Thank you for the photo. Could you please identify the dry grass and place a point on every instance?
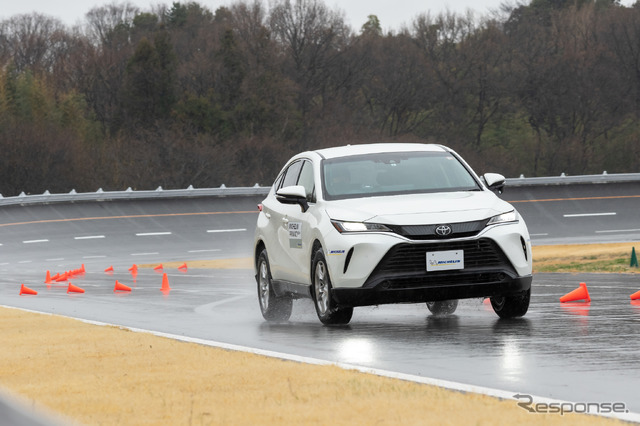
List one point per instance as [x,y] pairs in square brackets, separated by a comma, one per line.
[239,263]
[104,375]
[614,257]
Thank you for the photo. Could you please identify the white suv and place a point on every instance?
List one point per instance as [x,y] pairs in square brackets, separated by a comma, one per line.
[388,223]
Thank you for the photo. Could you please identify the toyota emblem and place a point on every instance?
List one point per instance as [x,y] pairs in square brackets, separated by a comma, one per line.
[443,230]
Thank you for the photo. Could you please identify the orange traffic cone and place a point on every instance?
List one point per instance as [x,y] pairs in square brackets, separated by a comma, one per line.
[26,290]
[109,269]
[165,283]
[134,269]
[121,287]
[158,268]
[82,269]
[74,289]
[47,280]
[183,266]
[62,277]
[635,296]
[580,293]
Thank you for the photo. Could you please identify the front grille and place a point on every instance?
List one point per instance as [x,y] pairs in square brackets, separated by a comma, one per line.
[405,265]
[428,232]
[413,257]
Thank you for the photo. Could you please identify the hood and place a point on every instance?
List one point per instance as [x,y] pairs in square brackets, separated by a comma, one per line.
[414,209]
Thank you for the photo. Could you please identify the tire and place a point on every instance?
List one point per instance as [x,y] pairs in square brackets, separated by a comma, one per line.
[326,308]
[512,306]
[443,307]
[273,308]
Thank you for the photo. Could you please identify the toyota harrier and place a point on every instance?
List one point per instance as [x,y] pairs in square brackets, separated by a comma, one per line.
[388,223]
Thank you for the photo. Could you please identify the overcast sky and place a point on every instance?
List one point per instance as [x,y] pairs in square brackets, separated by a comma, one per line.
[392,13]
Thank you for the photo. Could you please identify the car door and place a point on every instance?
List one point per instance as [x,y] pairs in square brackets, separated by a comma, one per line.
[276,236]
[297,227]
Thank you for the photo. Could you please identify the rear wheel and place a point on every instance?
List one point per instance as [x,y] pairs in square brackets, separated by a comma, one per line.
[326,308]
[511,306]
[443,307]
[273,308]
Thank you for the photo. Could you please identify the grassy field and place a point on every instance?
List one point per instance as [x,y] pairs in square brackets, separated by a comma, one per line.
[585,258]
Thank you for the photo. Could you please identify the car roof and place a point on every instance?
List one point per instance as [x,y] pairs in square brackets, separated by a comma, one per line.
[375,148]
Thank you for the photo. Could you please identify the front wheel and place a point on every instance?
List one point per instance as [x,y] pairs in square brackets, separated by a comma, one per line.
[326,308]
[443,307]
[273,308]
[512,306]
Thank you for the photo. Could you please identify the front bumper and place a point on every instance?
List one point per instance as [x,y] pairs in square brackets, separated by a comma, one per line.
[401,275]
[417,289]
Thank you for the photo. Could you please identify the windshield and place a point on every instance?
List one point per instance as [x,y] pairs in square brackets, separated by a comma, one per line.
[394,173]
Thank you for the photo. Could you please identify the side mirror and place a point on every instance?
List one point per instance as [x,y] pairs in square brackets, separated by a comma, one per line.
[293,195]
[494,181]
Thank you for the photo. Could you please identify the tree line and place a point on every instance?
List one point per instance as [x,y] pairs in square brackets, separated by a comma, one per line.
[181,95]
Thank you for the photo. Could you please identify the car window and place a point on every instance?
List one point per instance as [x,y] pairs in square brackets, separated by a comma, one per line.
[291,175]
[278,182]
[306,180]
[395,173]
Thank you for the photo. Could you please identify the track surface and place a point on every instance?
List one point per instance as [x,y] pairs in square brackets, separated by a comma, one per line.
[581,353]
[574,214]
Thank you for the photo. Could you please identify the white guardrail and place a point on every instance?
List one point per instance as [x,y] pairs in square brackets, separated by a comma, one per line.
[223,191]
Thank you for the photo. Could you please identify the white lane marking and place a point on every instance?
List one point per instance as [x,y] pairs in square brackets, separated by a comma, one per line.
[25,261]
[208,307]
[35,241]
[89,237]
[202,251]
[144,254]
[211,231]
[538,235]
[456,386]
[152,234]
[55,260]
[94,257]
[0,244]
[590,214]
[618,230]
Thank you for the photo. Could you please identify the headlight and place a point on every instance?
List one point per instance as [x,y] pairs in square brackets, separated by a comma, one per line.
[359,227]
[511,216]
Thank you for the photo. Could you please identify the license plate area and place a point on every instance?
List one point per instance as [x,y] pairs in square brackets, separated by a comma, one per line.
[445,260]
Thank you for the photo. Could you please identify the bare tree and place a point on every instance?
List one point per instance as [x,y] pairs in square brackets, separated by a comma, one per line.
[397,90]
[312,37]
[102,21]
[34,42]
[446,41]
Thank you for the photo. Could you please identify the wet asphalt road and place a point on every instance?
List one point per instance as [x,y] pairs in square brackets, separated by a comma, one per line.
[576,352]
[579,352]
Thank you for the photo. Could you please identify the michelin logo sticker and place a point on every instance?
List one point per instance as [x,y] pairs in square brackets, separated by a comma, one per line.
[445,260]
[295,235]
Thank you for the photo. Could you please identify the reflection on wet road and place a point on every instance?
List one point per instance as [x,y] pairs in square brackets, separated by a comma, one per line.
[574,351]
